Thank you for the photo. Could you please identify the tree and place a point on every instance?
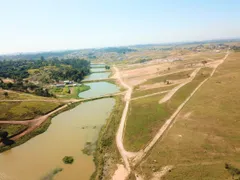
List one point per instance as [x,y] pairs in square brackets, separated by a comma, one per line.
[7,142]
[3,134]
[5,94]
[107,67]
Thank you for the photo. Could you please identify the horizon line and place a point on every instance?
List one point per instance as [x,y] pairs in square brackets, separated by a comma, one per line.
[132,45]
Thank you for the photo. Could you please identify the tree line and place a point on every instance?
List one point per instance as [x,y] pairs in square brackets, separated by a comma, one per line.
[72,69]
[25,87]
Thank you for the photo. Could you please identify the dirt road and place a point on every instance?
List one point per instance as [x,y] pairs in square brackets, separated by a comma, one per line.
[122,172]
[149,95]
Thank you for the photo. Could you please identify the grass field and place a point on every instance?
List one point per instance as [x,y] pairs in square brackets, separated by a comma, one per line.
[69,92]
[142,121]
[12,128]
[206,134]
[18,95]
[25,110]
[174,76]
[200,56]
[138,93]
[146,115]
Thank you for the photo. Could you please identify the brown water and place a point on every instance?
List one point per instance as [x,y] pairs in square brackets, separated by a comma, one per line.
[65,137]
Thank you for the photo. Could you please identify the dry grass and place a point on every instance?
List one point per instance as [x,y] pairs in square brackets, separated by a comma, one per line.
[18,95]
[138,93]
[206,133]
[174,76]
[146,115]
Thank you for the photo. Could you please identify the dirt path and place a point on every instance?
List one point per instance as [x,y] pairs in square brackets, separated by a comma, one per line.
[148,95]
[174,90]
[122,172]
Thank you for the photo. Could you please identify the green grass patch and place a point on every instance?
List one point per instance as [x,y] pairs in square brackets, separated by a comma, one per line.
[174,76]
[68,160]
[12,129]
[69,92]
[146,115]
[25,110]
[143,117]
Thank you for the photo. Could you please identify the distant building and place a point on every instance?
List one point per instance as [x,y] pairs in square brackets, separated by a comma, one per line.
[68,82]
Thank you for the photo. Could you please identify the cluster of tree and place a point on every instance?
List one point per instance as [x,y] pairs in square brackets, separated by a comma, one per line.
[75,69]
[107,67]
[26,87]
[4,138]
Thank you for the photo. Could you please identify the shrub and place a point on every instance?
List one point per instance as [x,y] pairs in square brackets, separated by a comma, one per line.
[68,159]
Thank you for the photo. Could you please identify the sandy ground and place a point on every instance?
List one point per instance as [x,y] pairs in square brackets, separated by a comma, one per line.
[160,174]
[134,77]
[121,173]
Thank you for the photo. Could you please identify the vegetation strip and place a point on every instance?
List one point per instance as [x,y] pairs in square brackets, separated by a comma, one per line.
[106,155]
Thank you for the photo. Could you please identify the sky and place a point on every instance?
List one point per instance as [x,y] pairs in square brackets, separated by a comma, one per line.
[44,25]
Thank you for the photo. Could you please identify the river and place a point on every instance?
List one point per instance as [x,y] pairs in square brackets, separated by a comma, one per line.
[66,136]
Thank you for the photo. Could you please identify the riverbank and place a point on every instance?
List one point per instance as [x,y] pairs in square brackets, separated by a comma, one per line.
[106,155]
[41,129]
[74,128]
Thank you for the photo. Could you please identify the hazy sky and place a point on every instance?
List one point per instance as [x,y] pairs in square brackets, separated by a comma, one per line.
[33,25]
